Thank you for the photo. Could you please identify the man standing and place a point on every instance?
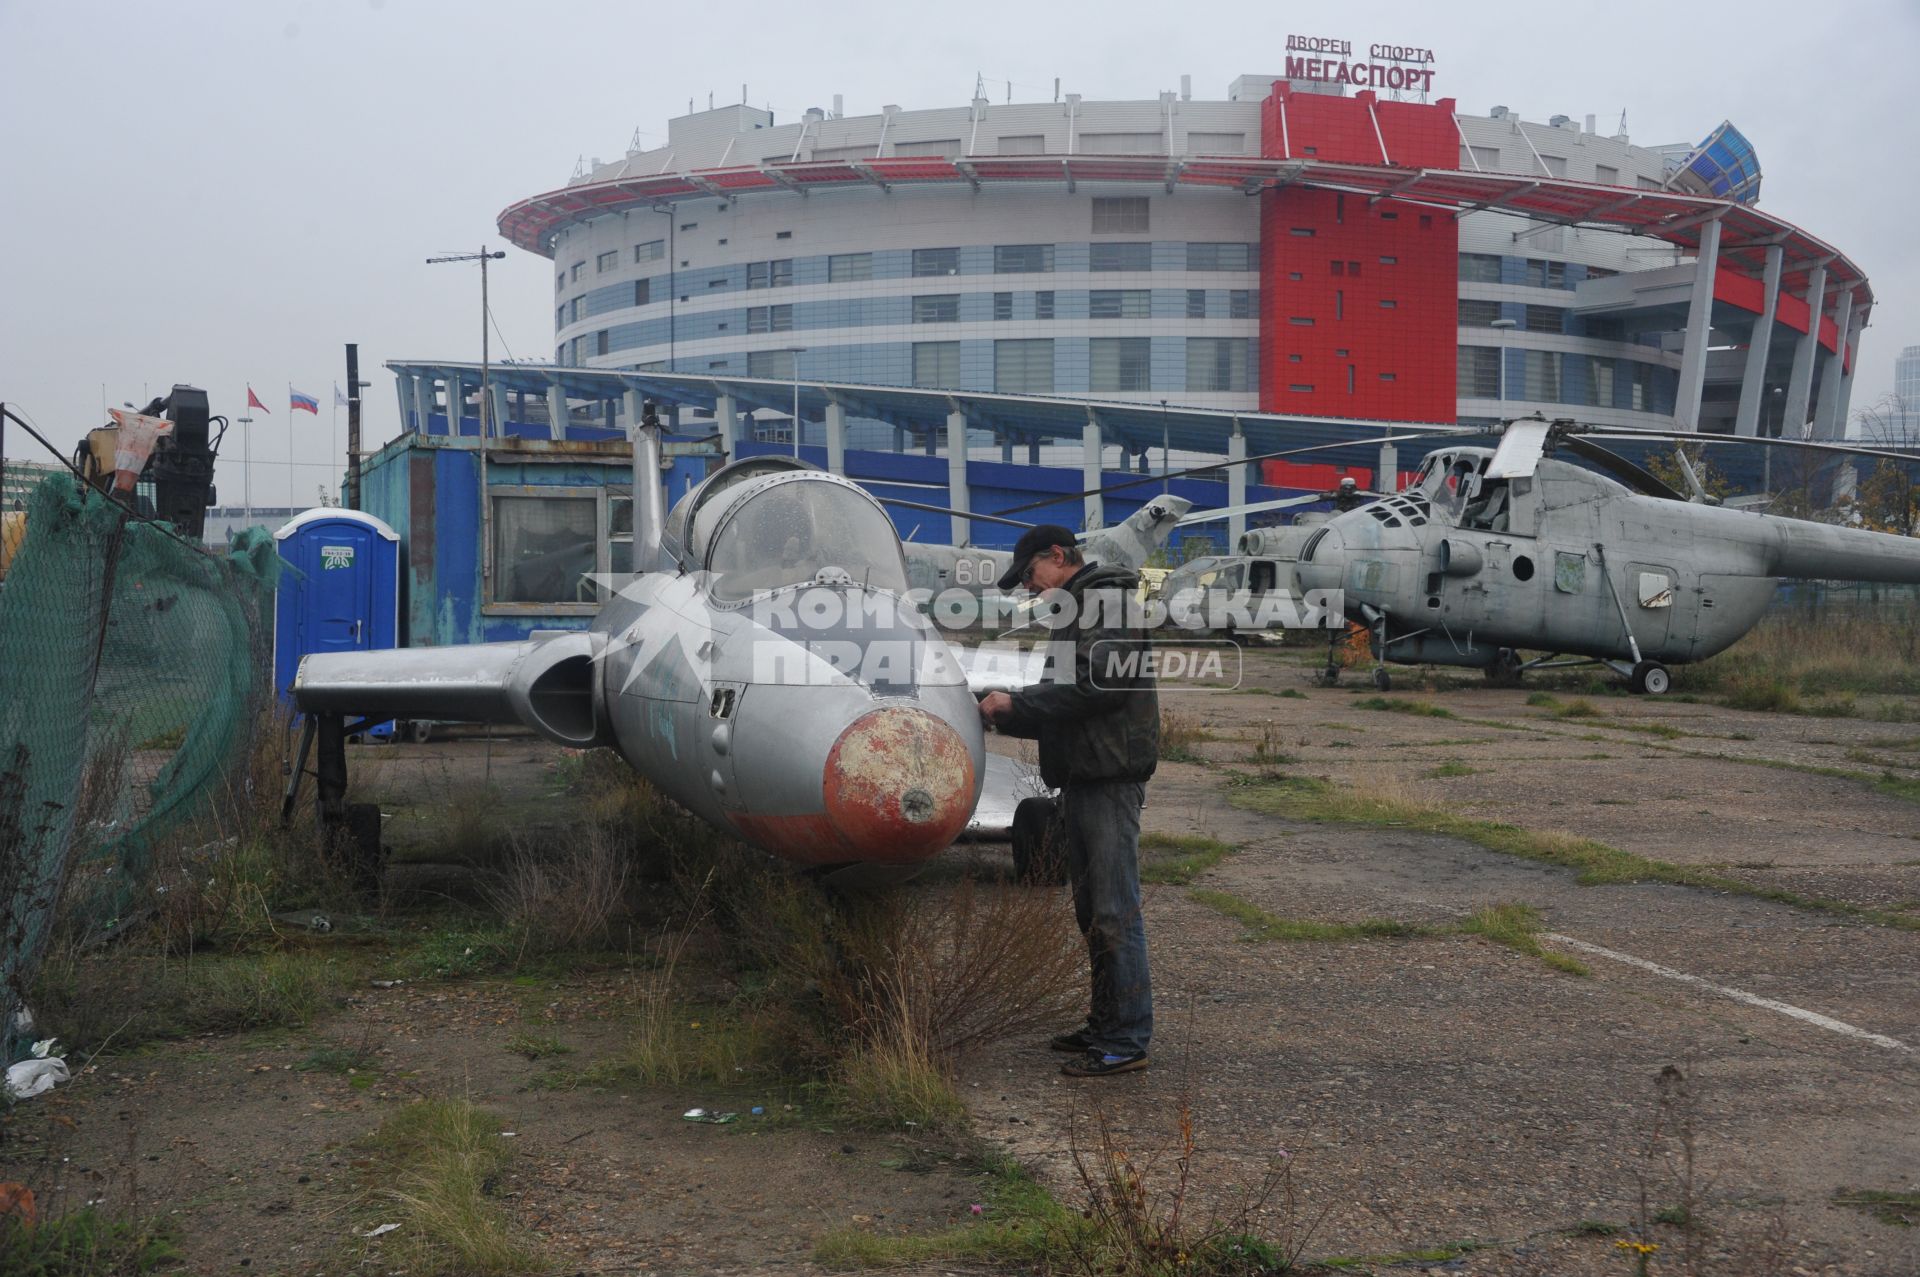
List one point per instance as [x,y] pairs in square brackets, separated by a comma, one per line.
[1098,724]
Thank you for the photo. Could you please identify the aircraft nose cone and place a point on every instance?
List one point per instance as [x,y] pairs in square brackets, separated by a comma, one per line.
[899,785]
[1327,566]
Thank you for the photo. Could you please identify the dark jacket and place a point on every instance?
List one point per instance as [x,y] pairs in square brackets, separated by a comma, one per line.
[1105,723]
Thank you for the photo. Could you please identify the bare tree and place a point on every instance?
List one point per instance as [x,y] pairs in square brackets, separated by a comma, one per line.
[1886,497]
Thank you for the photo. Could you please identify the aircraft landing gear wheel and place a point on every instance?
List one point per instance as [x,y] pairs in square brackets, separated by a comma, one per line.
[1505,670]
[1383,680]
[1328,677]
[1039,843]
[1651,678]
[419,731]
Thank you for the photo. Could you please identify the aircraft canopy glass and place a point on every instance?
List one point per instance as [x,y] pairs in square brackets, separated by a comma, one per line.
[791,532]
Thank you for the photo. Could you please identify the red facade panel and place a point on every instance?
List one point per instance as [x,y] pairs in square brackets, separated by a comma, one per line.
[1358,301]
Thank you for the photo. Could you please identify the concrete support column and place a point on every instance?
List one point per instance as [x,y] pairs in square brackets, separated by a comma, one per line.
[957,492]
[1826,424]
[726,423]
[1693,359]
[1006,447]
[500,417]
[422,401]
[1236,491]
[899,440]
[455,390]
[1800,385]
[1094,507]
[1033,450]
[1853,362]
[836,438]
[557,410]
[1388,477]
[1753,381]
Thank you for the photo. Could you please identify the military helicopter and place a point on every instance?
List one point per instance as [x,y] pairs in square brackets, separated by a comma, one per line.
[1130,543]
[765,669]
[1490,551]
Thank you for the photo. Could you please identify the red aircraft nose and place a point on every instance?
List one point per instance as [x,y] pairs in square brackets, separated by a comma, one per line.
[898,785]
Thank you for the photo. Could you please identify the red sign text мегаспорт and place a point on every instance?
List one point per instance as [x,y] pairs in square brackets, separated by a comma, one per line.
[1395,66]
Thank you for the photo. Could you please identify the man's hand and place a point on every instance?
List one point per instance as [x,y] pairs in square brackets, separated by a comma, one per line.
[994,707]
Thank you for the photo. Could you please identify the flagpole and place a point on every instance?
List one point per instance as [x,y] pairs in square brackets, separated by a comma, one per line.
[246,466]
[292,501]
[336,424]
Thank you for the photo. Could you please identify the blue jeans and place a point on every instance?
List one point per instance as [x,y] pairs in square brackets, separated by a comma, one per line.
[1103,860]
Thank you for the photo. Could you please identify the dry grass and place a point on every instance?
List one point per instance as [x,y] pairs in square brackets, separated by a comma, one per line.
[1145,1216]
[1870,653]
[566,893]
[441,1163]
[1179,733]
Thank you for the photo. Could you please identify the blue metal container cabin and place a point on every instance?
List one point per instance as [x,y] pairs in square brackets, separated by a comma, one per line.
[561,511]
[342,593]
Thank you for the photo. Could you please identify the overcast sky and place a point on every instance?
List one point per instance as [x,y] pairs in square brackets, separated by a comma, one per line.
[225,193]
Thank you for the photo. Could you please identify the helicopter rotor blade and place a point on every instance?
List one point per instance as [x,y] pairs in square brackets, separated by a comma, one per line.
[958,514]
[1404,434]
[1258,507]
[1617,434]
[1634,476]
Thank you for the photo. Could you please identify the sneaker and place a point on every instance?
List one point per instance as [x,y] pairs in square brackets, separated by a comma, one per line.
[1074,1043]
[1096,1063]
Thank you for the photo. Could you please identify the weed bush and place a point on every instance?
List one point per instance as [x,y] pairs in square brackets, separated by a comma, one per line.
[84,1244]
[564,893]
[439,1164]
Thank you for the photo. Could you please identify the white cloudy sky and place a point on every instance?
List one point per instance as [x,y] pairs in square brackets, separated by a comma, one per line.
[224,192]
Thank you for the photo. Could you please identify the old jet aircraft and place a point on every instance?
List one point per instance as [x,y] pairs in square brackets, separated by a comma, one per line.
[766,670]
[1491,551]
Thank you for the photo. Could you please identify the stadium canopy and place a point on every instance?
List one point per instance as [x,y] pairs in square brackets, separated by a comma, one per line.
[1673,216]
[1137,427]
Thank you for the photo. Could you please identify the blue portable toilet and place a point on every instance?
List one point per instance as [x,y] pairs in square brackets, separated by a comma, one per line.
[343,594]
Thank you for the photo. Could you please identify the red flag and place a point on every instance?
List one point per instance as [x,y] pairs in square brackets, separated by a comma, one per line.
[253,401]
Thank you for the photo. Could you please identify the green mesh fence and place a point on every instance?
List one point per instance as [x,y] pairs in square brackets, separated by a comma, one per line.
[133,672]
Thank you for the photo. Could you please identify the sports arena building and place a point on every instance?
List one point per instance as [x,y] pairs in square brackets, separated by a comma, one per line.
[1298,248]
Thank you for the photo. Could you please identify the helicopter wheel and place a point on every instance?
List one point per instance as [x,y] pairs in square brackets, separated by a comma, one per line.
[1506,669]
[1650,678]
[1382,680]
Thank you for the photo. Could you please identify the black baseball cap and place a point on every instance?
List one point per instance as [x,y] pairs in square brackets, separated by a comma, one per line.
[1031,542]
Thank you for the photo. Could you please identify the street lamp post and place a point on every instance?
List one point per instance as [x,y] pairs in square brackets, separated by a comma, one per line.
[1503,327]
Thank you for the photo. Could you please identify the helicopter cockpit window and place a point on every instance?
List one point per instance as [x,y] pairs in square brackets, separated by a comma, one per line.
[1488,510]
[792,532]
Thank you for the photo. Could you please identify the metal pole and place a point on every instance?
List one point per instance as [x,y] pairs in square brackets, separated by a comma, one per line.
[486,397]
[796,405]
[3,457]
[353,426]
[246,466]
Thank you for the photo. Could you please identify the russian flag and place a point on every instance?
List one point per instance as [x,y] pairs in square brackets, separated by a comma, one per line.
[303,403]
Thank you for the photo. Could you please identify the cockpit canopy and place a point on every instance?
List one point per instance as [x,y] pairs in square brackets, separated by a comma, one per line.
[769,522]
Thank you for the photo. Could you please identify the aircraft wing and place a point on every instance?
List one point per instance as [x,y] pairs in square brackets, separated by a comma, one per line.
[1008,780]
[544,682]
